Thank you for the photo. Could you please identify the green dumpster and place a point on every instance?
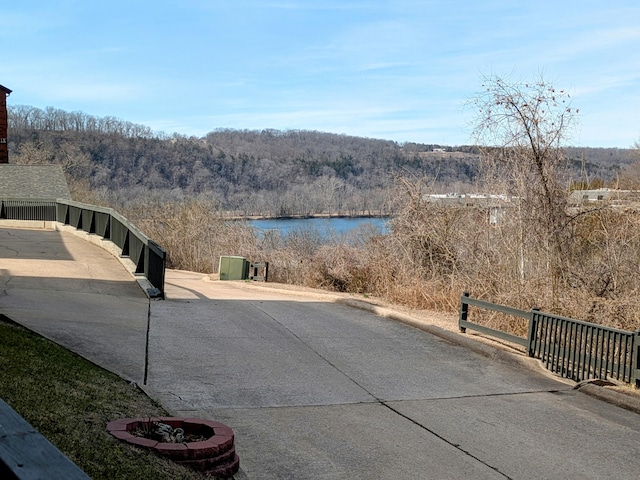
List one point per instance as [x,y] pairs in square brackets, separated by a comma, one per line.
[233,268]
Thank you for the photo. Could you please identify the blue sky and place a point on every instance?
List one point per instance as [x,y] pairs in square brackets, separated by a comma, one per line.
[399,69]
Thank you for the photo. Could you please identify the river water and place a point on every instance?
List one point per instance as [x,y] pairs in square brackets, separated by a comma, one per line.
[325,226]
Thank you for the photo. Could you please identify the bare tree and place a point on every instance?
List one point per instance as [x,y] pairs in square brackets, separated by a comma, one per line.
[630,177]
[522,127]
[33,153]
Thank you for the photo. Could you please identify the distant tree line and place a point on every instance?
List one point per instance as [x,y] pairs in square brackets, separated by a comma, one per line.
[53,119]
[253,172]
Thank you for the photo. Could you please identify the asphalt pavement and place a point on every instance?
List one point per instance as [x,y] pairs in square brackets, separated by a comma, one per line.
[313,389]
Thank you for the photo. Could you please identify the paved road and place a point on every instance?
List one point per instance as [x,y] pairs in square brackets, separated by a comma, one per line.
[318,390]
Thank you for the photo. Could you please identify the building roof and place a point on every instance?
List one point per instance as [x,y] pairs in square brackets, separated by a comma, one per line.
[468,199]
[33,181]
[5,89]
[609,195]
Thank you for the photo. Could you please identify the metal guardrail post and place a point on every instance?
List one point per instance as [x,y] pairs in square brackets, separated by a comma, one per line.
[635,360]
[533,331]
[464,312]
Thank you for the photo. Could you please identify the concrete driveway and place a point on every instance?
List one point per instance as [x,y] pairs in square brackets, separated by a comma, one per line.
[76,294]
[314,389]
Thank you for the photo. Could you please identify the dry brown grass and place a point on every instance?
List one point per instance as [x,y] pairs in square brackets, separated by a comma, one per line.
[193,232]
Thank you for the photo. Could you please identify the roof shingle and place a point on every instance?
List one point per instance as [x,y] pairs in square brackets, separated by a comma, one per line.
[33,181]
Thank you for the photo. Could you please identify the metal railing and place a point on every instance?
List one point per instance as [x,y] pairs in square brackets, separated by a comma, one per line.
[27,209]
[571,348]
[463,323]
[580,350]
[147,256]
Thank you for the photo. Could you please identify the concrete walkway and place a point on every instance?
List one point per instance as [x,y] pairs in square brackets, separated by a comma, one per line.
[314,389]
[75,294]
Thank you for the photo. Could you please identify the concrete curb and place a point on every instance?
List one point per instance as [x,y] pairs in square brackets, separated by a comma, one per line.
[621,400]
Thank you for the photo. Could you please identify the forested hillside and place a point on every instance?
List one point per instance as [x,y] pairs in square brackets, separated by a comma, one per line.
[267,172]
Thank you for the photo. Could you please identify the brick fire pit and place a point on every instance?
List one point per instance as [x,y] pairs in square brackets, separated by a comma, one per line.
[215,454]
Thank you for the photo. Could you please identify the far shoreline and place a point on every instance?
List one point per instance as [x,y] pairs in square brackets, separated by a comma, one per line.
[304,217]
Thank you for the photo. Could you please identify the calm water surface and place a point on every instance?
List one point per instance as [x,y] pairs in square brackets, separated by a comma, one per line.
[326,226]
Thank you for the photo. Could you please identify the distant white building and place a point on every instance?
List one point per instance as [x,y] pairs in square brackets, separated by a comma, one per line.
[469,198]
[609,195]
[495,204]
[578,197]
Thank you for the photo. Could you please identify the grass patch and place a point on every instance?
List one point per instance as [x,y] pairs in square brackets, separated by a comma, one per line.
[70,401]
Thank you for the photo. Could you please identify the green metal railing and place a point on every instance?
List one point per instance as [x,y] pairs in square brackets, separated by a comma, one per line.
[463,323]
[148,257]
[27,209]
[580,350]
[571,348]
